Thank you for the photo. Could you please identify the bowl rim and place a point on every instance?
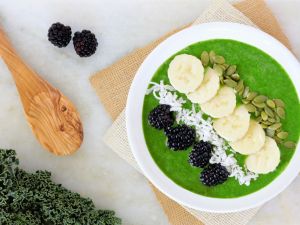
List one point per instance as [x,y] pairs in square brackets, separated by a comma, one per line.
[134,109]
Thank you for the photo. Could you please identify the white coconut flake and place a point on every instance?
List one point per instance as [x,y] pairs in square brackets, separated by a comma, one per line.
[166,94]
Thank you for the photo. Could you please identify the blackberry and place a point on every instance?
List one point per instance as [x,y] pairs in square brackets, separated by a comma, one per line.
[161,117]
[214,174]
[59,35]
[85,43]
[180,137]
[200,155]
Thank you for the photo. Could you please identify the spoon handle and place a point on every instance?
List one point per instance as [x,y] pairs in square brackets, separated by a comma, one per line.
[27,81]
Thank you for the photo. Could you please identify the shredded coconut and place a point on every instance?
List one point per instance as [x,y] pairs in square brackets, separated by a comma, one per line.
[166,94]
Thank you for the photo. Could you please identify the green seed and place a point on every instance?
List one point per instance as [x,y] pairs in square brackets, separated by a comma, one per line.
[264,125]
[266,122]
[230,83]
[225,66]
[221,79]
[271,103]
[258,119]
[277,118]
[260,99]
[279,103]
[272,120]
[231,70]
[270,132]
[269,112]
[264,116]
[218,69]
[257,113]
[259,105]
[251,95]
[283,135]
[205,58]
[219,59]
[278,140]
[289,144]
[280,112]
[212,56]
[245,101]
[246,92]
[239,86]
[275,126]
[235,77]
[250,108]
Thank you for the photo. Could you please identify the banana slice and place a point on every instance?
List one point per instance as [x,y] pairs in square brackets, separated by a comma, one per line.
[185,73]
[234,126]
[221,105]
[208,88]
[266,160]
[253,140]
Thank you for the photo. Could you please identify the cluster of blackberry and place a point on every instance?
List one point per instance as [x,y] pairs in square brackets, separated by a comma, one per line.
[181,137]
[85,42]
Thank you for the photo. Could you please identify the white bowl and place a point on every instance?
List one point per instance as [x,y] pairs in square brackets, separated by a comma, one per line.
[134,109]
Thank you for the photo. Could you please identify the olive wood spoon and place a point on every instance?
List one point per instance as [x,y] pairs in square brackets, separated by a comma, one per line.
[52,117]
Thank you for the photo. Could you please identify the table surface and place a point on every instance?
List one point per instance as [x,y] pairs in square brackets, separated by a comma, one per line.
[121,26]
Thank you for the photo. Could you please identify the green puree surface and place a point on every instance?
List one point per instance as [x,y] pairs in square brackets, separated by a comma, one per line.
[262,74]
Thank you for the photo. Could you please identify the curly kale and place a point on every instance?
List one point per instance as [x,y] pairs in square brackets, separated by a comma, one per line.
[33,199]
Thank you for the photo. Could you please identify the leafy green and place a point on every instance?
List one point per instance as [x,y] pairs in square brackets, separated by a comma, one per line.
[33,199]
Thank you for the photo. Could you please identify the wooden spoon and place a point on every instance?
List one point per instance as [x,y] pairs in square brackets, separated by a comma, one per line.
[53,118]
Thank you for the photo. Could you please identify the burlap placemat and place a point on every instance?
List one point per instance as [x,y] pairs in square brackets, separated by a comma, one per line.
[120,76]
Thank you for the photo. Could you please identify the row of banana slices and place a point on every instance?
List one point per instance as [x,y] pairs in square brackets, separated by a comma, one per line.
[233,123]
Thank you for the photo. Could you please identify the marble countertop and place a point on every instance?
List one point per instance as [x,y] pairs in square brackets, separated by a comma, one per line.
[121,26]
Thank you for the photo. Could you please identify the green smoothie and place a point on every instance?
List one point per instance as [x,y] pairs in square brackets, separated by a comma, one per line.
[262,74]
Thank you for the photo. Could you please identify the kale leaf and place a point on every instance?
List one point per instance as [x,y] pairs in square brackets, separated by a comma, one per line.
[34,199]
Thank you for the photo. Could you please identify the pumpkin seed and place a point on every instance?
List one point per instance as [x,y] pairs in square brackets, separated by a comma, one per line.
[280,112]
[259,105]
[225,66]
[283,135]
[264,115]
[272,120]
[258,119]
[218,69]
[235,77]
[275,126]
[250,108]
[241,91]
[239,86]
[260,99]
[230,83]
[212,56]
[270,132]
[231,69]
[266,122]
[245,101]
[246,91]
[277,118]
[279,103]
[219,59]
[271,103]
[204,58]
[269,112]
[221,80]
[278,140]
[289,144]
[257,113]
[251,95]
[264,125]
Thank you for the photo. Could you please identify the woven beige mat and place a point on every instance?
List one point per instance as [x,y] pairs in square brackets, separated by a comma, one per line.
[120,75]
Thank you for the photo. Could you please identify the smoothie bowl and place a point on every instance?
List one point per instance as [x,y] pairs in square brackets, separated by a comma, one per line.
[213,117]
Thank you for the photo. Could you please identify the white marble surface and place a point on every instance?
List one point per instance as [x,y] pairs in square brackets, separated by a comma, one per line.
[120,26]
